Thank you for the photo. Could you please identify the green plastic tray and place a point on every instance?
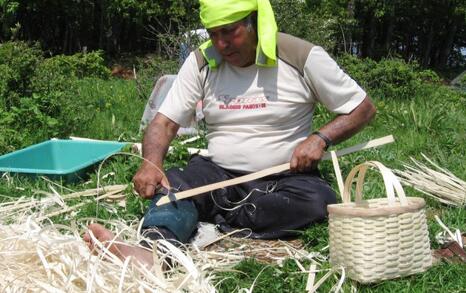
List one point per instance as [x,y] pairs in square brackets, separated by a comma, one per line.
[57,158]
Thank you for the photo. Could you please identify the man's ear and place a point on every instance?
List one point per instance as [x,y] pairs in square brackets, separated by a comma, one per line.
[249,27]
[251,22]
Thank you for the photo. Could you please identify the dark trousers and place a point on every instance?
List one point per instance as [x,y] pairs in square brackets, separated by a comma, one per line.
[276,206]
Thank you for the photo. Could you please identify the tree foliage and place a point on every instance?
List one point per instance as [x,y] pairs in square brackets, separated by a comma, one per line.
[79,25]
[429,31]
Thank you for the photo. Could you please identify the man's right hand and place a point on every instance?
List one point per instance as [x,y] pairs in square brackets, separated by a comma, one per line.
[148,179]
[157,138]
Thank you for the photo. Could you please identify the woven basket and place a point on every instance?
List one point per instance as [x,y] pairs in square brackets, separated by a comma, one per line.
[382,238]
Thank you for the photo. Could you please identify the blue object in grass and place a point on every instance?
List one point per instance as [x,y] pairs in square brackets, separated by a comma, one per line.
[58,158]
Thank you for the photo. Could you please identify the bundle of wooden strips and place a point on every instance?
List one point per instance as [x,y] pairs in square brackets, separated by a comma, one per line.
[54,258]
[438,183]
[38,255]
[53,204]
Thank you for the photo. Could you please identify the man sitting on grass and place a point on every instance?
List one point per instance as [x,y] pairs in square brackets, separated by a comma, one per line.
[259,90]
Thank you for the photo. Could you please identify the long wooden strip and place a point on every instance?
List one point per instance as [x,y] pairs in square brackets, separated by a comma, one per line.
[270,171]
[226,183]
[338,175]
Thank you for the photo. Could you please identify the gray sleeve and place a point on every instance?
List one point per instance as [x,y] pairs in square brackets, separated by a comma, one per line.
[181,100]
[334,88]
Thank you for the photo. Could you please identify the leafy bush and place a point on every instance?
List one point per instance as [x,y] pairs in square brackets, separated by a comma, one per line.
[357,68]
[389,78]
[55,95]
[17,63]
[155,66]
[38,97]
[394,78]
[5,75]
[462,82]
[305,23]
[79,65]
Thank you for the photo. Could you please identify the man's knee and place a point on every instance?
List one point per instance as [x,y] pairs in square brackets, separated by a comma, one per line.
[311,198]
[318,213]
[322,196]
[326,196]
[180,218]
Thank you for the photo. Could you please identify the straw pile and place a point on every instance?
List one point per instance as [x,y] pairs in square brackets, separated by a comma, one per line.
[438,183]
[38,255]
[53,258]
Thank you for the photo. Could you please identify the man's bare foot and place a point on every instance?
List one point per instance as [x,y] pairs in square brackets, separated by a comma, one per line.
[116,246]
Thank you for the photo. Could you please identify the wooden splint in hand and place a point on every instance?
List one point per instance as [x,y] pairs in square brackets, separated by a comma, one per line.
[269,171]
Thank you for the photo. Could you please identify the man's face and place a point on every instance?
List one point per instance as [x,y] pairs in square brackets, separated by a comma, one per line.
[236,43]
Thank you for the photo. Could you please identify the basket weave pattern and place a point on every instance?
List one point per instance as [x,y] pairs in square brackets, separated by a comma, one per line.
[382,238]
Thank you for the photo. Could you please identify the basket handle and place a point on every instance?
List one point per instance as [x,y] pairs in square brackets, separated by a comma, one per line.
[391,183]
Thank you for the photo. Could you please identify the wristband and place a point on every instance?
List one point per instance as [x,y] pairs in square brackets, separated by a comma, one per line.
[328,141]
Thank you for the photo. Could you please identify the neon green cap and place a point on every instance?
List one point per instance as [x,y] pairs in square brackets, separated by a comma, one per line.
[216,13]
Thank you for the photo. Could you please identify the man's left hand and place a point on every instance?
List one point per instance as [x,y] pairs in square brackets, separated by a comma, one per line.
[307,154]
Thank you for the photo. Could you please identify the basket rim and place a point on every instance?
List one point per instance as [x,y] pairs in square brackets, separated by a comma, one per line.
[355,209]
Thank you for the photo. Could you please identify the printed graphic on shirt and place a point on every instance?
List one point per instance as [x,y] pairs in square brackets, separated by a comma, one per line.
[228,102]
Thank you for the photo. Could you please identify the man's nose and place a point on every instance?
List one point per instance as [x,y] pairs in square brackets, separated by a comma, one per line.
[222,44]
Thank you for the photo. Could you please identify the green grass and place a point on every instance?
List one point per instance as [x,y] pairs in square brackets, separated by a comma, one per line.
[441,278]
[116,108]
[432,122]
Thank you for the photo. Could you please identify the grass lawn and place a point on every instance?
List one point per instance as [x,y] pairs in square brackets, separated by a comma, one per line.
[432,122]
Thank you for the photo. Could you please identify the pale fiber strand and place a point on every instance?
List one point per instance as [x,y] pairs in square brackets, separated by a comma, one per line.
[445,171]
[57,270]
[69,209]
[455,237]
[55,259]
[49,265]
[439,184]
[311,277]
[24,205]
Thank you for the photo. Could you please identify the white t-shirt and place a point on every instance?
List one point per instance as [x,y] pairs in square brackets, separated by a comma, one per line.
[256,116]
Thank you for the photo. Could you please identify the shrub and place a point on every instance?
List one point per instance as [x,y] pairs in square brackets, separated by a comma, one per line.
[155,66]
[5,74]
[395,78]
[390,78]
[150,70]
[357,68]
[17,63]
[79,65]
[56,97]
[52,110]
[462,82]
[38,97]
